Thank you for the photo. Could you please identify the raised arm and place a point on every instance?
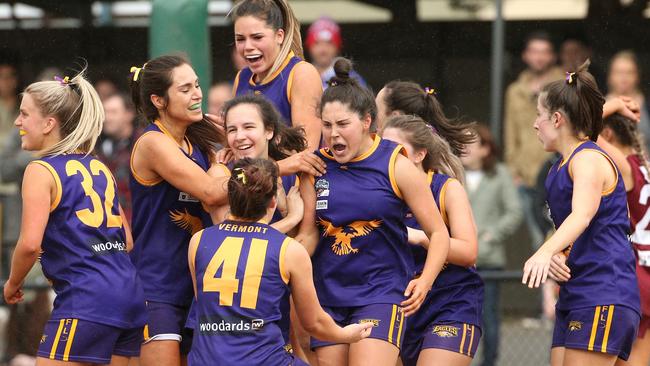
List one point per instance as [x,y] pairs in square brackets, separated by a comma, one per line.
[305,94]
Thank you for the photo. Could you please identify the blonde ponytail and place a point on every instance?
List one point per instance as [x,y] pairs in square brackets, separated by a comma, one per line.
[78,109]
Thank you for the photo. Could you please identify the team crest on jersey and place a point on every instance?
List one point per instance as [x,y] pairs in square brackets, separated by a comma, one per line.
[186,221]
[445,331]
[43,338]
[322,187]
[575,325]
[186,197]
[375,322]
[343,235]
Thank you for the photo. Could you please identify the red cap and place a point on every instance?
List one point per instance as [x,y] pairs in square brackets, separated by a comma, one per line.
[324,29]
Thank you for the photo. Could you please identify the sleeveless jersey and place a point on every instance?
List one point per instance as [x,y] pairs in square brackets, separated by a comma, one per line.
[601,259]
[362,257]
[240,283]
[464,281]
[84,248]
[277,90]
[637,201]
[164,220]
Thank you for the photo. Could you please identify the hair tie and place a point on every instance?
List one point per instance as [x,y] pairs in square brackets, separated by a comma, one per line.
[63,81]
[569,77]
[430,91]
[333,83]
[136,71]
[240,175]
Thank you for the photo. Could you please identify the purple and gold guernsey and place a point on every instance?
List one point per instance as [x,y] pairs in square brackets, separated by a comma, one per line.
[601,259]
[277,90]
[240,281]
[84,246]
[362,257]
[464,282]
[164,220]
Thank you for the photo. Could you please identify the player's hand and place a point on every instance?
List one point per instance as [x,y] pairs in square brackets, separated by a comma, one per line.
[302,162]
[216,120]
[536,268]
[416,291]
[224,156]
[356,332]
[559,271]
[630,109]
[295,205]
[13,293]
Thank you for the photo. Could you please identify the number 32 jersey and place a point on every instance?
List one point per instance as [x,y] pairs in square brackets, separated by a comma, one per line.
[84,246]
[240,281]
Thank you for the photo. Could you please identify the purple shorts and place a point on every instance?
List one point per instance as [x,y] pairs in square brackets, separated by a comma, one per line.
[462,338]
[78,340]
[607,328]
[388,319]
[167,323]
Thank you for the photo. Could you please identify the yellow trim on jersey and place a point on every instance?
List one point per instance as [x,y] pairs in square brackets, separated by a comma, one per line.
[430,174]
[145,332]
[609,190]
[198,234]
[608,326]
[55,344]
[443,208]
[370,151]
[169,134]
[391,326]
[399,330]
[275,74]
[462,341]
[283,251]
[235,84]
[391,170]
[594,329]
[57,183]
[290,81]
[571,154]
[471,341]
[68,343]
[138,178]
[225,169]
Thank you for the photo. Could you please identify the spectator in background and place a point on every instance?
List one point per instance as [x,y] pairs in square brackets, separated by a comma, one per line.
[624,79]
[219,94]
[115,144]
[8,96]
[105,87]
[497,212]
[523,155]
[324,44]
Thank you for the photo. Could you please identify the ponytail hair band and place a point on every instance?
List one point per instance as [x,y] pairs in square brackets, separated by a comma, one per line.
[570,77]
[240,175]
[136,71]
[430,91]
[65,81]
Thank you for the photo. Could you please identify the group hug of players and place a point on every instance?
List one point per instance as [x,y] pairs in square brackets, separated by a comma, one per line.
[266,253]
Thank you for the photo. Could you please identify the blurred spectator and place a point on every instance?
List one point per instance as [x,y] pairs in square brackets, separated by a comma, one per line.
[324,44]
[524,156]
[496,208]
[8,97]
[219,94]
[624,79]
[115,144]
[105,88]
[574,51]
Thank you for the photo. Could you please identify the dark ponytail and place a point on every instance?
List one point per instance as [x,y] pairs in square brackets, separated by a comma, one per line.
[286,140]
[155,77]
[346,90]
[410,98]
[627,133]
[579,99]
[252,185]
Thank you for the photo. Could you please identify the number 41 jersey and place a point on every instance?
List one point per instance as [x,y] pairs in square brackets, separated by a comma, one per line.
[84,246]
[240,282]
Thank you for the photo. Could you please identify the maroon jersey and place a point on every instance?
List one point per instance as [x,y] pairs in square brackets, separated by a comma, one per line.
[638,204]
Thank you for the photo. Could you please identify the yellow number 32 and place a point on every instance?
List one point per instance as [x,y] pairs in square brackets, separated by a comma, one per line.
[95,217]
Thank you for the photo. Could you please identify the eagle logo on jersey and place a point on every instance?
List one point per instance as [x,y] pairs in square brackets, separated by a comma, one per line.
[575,325]
[445,331]
[186,221]
[343,235]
